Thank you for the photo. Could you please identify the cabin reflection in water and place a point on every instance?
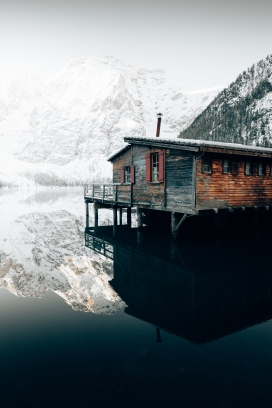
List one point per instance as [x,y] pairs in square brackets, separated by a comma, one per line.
[196,291]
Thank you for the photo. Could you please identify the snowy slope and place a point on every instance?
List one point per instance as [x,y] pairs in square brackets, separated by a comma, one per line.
[241,113]
[78,118]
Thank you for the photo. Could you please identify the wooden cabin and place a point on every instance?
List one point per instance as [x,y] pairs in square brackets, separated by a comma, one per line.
[187,177]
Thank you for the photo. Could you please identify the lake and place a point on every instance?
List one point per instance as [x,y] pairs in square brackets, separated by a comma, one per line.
[90,319]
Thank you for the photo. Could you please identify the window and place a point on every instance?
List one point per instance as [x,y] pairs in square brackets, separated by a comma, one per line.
[249,168]
[261,169]
[127,174]
[207,165]
[226,166]
[155,167]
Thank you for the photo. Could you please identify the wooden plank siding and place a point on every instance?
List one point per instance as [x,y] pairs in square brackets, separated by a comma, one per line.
[120,162]
[218,190]
[144,191]
[180,186]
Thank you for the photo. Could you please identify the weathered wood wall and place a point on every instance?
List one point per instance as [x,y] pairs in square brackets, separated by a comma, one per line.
[177,192]
[144,191]
[218,190]
[180,180]
[120,162]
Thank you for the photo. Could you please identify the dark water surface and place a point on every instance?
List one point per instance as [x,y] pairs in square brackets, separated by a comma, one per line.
[127,322]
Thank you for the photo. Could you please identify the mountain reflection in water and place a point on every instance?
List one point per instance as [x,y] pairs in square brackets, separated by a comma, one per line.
[195,290]
[127,324]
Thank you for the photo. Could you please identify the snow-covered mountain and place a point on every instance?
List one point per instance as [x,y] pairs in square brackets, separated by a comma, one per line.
[241,113]
[69,125]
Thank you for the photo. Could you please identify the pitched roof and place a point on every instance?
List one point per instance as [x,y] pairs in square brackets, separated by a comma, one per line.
[189,144]
[197,143]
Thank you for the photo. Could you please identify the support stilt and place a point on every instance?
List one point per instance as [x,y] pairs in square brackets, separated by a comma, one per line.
[139,236]
[129,217]
[87,215]
[139,218]
[114,210]
[120,216]
[95,218]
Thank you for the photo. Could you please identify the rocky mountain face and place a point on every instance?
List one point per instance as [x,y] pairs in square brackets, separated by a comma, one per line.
[69,125]
[241,113]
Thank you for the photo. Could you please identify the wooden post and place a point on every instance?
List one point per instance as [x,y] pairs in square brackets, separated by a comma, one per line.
[87,215]
[120,216]
[114,221]
[139,218]
[139,236]
[95,218]
[174,222]
[129,217]
[116,193]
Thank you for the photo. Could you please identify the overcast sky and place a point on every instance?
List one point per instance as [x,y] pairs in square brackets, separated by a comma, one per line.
[200,43]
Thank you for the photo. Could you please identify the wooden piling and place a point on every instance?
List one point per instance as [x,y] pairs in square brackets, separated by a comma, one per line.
[87,215]
[129,217]
[95,218]
[139,218]
[114,210]
[120,216]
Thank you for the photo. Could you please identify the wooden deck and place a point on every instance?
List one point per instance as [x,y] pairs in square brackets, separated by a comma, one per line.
[114,193]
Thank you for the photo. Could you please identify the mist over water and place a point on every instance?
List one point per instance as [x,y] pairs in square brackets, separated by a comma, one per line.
[88,319]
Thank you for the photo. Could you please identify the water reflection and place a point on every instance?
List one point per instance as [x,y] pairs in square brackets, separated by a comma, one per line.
[42,248]
[199,291]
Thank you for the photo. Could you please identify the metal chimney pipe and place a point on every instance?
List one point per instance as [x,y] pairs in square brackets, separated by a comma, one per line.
[159,124]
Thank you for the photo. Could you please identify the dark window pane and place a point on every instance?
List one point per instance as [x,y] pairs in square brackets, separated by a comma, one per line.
[261,169]
[226,166]
[248,167]
[127,174]
[207,165]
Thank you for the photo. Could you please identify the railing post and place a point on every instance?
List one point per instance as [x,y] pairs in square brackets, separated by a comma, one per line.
[103,193]
[93,191]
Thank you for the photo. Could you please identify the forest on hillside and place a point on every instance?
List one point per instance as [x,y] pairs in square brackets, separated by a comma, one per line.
[241,113]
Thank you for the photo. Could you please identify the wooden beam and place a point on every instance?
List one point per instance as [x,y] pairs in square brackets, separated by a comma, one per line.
[180,222]
[176,225]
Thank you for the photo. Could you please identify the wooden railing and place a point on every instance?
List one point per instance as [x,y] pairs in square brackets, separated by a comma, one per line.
[112,193]
[99,245]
